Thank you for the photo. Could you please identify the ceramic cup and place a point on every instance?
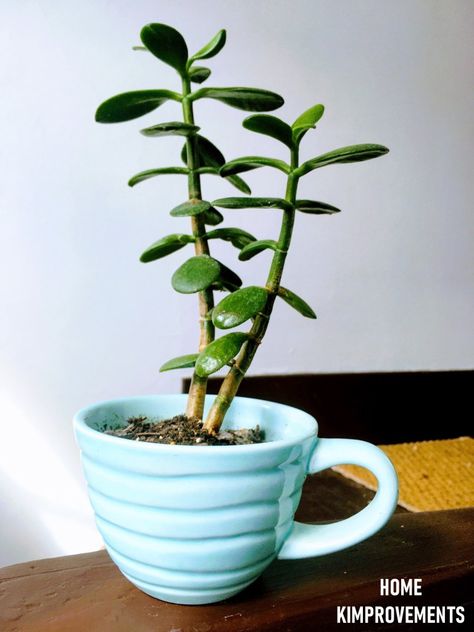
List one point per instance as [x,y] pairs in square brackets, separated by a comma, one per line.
[197,524]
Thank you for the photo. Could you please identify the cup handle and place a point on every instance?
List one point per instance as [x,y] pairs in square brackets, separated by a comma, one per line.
[307,540]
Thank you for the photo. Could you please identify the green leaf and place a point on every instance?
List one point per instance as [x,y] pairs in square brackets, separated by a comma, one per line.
[247,163]
[307,121]
[167,44]
[239,306]
[189,208]
[131,105]
[212,217]
[151,173]
[228,279]
[142,48]
[173,128]
[352,153]
[165,246]
[239,184]
[181,362]
[251,202]
[270,126]
[316,208]
[211,48]
[237,237]
[196,274]
[208,154]
[199,74]
[255,247]
[219,352]
[296,302]
[250,99]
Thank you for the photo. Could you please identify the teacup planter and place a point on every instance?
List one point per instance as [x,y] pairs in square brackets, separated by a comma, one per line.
[197,524]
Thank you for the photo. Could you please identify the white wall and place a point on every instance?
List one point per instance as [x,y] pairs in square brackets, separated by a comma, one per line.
[82,320]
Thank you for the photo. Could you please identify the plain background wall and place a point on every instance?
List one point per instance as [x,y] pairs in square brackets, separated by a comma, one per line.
[83,320]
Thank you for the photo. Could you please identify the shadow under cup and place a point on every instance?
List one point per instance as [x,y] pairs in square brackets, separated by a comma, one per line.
[194,524]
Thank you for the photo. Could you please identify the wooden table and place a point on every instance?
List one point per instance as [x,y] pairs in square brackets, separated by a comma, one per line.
[86,593]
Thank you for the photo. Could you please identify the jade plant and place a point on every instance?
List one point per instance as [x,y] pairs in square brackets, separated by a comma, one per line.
[202,274]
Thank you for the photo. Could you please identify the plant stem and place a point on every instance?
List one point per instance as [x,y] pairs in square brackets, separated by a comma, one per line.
[197,391]
[236,374]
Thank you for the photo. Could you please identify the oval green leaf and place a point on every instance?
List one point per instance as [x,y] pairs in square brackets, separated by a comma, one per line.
[270,126]
[296,302]
[211,48]
[190,208]
[181,362]
[247,163]
[218,353]
[255,247]
[151,173]
[167,44]
[228,279]
[239,184]
[250,99]
[316,208]
[131,105]
[252,202]
[307,121]
[173,128]
[237,237]
[212,217]
[199,74]
[352,153]
[208,154]
[239,306]
[165,246]
[196,274]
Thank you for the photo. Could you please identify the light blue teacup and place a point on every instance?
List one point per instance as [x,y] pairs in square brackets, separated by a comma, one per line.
[197,524]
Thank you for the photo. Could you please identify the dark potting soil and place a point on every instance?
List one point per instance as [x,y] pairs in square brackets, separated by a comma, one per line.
[181,430]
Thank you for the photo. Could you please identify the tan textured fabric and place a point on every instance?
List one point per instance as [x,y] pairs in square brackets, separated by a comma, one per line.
[433,474]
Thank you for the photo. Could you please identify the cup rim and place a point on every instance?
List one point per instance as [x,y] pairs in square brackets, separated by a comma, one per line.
[81,426]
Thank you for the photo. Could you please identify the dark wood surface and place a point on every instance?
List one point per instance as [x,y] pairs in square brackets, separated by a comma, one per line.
[86,593]
[414,406]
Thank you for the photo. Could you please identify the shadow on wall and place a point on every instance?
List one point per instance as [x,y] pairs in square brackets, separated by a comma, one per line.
[44,510]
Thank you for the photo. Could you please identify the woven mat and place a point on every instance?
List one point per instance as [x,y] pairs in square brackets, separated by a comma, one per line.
[432,474]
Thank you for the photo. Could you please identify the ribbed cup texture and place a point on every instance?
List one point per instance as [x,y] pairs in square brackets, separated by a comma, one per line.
[194,524]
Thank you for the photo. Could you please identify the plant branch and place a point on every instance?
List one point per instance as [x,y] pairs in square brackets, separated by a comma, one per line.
[238,370]
[198,386]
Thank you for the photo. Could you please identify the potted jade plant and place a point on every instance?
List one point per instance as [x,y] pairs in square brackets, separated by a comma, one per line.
[194,495]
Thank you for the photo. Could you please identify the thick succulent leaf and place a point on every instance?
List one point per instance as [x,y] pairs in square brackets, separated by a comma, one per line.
[212,217]
[352,153]
[296,302]
[167,44]
[196,274]
[228,279]
[247,163]
[209,154]
[165,246]
[239,184]
[239,306]
[211,48]
[254,247]
[131,105]
[181,362]
[252,202]
[190,207]
[173,128]
[316,208]
[250,99]
[237,237]
[141,48]
[219,352]
[199,74]
[307,121]
[151,173]
[270,126]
